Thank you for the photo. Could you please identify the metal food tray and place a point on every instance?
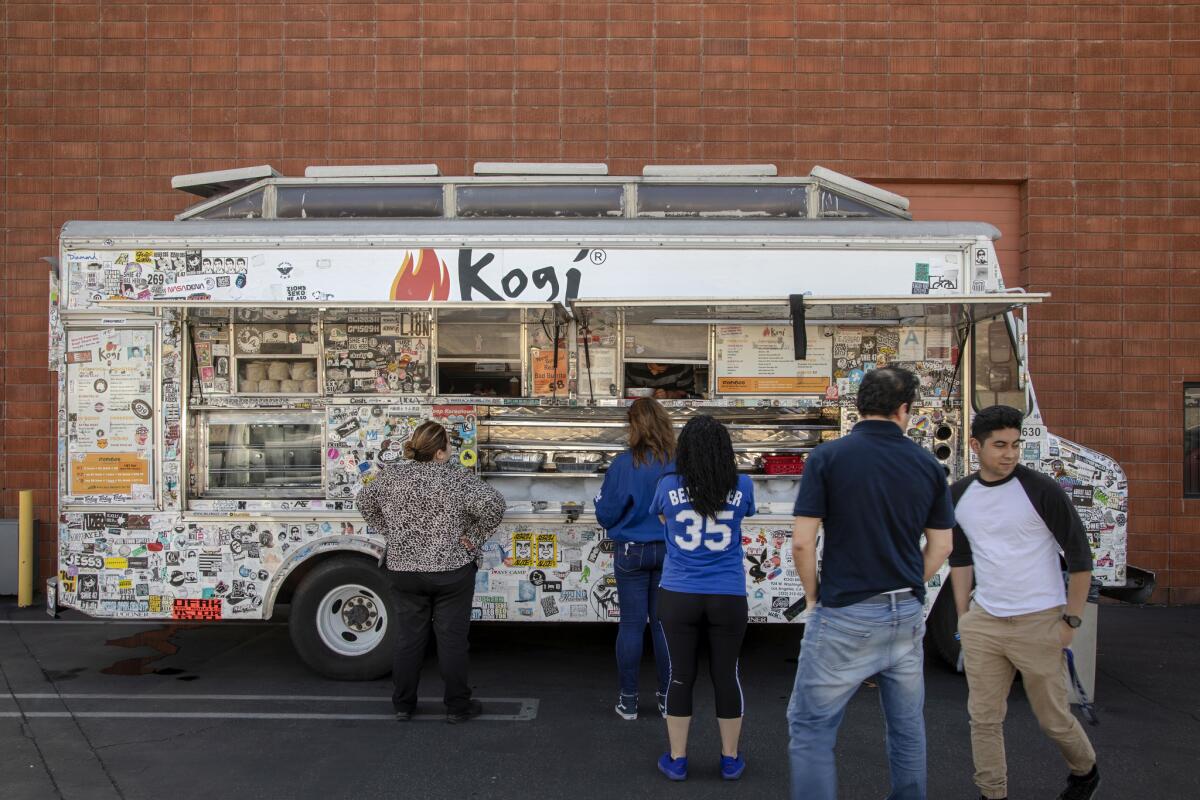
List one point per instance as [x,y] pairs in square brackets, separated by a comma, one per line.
[579,466]
[519,462]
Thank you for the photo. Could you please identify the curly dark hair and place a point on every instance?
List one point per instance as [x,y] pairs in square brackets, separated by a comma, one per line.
[884,390]
[704,460]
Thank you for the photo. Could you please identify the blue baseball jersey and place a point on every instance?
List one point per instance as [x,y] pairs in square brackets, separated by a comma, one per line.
[704,556]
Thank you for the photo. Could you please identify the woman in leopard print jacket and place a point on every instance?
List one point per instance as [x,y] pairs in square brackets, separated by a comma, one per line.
[436,517]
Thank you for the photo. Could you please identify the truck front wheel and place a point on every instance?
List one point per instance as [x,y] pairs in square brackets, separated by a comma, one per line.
[343,619]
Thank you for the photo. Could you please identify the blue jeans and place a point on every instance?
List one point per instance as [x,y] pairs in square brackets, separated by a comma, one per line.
[842,647]
[638,566]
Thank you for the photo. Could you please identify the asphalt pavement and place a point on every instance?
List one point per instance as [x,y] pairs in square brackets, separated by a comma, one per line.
[92,709]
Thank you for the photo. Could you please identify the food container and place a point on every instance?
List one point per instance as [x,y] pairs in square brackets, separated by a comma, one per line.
[579,462]
[634,393]
[519,462]
[783,465]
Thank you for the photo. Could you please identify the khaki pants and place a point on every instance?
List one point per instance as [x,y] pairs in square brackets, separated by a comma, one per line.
[994,648]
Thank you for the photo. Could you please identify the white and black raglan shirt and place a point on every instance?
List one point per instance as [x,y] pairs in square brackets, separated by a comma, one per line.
[1014,532]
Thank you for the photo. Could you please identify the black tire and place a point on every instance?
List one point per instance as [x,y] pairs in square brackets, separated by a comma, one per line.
[942,624]
[343,571]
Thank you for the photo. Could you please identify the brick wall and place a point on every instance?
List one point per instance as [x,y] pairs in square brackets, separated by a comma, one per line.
[1092,110]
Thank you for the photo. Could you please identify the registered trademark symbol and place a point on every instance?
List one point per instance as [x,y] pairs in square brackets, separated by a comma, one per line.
[598,256]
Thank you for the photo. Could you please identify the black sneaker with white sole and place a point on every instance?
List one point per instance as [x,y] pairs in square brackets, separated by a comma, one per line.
[1082,787]
[627,706]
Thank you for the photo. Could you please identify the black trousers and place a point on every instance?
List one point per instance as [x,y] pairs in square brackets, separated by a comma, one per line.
[719,618]
[441,600]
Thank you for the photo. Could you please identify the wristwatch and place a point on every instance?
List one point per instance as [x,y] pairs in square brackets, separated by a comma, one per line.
[1073,621]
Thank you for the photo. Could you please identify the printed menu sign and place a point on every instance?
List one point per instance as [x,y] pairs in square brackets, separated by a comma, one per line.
[549,373]
[760,359]
[110,425]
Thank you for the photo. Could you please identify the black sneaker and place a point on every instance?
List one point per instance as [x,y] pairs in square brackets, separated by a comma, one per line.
[1082,787]
[473,710]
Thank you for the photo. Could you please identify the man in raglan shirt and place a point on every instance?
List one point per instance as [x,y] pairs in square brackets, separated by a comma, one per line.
[1012,525]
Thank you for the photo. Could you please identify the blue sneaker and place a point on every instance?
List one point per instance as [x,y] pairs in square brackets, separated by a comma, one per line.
[673,768]
[626,707]
[732,767]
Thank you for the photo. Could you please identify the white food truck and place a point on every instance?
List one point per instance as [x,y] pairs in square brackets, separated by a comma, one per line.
[230,380]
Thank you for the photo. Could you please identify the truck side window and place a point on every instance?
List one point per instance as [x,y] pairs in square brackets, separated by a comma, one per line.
[997,367]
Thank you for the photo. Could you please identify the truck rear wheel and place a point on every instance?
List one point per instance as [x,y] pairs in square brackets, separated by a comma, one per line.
[343,620]
[942,624]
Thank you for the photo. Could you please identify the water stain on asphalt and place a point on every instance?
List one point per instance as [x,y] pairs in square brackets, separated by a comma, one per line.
[158,640]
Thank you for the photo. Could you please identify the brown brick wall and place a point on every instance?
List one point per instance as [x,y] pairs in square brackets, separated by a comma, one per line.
[1091,109]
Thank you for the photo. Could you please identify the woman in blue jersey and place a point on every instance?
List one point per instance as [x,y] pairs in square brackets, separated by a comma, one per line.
[703,590]
[622,508]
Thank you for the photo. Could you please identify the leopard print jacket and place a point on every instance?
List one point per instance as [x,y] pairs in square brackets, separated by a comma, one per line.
[425,509]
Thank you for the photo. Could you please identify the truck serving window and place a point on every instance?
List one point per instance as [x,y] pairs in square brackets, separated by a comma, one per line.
[666,361]
[1191,440]
[247,454]
[479,352]
[997,368]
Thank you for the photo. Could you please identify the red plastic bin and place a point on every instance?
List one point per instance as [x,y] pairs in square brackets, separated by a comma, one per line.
[783,465]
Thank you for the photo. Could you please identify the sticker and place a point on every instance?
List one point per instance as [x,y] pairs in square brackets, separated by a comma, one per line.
[547,550]
[522,550]
[196,609]
[141,409]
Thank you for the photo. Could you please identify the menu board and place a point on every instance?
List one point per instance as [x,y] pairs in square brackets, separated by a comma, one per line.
[378,353]
[110,410]
[760,359]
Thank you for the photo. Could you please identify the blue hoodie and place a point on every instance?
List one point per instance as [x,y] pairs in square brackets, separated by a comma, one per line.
[623,505]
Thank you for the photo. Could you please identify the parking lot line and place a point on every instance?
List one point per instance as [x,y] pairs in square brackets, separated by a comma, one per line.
[526,707]
[522,716]
[316,698]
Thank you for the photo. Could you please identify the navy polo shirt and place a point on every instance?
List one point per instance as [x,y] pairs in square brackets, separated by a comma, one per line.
[876,491]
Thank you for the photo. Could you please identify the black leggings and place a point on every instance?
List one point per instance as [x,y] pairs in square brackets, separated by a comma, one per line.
[684,618]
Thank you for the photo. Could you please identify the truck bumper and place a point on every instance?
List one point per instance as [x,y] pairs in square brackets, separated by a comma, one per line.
[1139,585]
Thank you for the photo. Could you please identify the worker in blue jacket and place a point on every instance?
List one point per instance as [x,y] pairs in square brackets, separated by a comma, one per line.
[623,509]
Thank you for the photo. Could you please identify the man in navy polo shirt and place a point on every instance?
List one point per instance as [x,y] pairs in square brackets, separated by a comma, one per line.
[876,492]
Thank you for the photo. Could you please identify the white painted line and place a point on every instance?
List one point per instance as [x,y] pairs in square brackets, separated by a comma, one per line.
[318,698]
[219,715]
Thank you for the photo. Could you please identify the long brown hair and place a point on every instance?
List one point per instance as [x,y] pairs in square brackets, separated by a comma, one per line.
[427,439]
[651,437]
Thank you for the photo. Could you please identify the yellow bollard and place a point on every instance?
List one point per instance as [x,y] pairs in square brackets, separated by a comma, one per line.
[25,551]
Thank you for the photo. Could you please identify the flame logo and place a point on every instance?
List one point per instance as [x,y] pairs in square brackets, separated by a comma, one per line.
[426,280]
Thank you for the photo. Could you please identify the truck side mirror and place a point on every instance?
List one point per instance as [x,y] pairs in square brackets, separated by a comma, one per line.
[1000,349]
[1000,378]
